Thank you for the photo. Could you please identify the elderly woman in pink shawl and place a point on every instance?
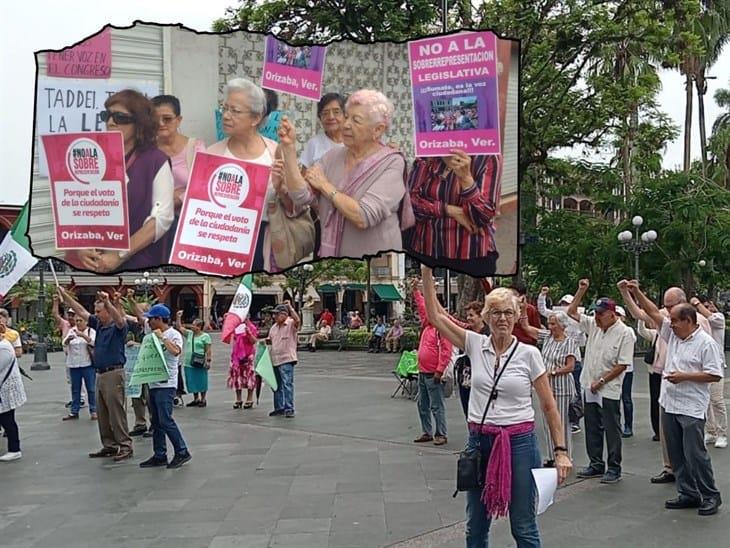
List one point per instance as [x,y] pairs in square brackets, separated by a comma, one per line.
[359,190]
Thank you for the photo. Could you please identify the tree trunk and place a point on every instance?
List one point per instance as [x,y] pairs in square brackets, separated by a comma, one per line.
[687,121]
[470,289]
[701,85]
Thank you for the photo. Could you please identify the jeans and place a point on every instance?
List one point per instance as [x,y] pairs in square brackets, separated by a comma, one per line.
[7,421]
[690,459]
[284,395]
[88,375]
[576,378]
[161,400]
[628,405]
[600,421]
[431,400]
[522,508]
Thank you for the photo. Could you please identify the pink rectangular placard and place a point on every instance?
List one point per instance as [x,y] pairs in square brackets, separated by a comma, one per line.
[90,59]
[298,70]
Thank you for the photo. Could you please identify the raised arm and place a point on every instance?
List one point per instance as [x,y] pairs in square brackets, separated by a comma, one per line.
[645,303]
[68,299]
[293,314]
[582,290]
[542,301]
[438,318]
[179,325]
[631,305]
[113,309]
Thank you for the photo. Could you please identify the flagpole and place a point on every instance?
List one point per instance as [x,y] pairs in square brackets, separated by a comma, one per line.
[40,350]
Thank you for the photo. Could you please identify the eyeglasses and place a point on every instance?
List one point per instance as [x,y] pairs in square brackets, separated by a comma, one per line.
[233,111]
[165,120]
[334,112]
[506,313]
[120,118]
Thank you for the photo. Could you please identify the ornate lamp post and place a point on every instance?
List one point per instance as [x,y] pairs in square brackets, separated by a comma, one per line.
[40,350]
[633,243]
[146,284]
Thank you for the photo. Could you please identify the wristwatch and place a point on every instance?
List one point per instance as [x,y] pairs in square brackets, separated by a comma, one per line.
[332,195]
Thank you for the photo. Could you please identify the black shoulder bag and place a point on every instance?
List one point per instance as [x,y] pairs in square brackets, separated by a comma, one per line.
[470,467]
[197,359]
[650,354]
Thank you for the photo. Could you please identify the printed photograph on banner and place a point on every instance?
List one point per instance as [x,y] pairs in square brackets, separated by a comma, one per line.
[297,70]
[88,191]
[221,216]
[317,205]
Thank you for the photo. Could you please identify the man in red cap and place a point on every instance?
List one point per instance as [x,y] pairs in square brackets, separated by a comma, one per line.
[609,351]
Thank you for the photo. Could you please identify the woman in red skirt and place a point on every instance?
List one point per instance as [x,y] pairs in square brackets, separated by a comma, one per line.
[241,374]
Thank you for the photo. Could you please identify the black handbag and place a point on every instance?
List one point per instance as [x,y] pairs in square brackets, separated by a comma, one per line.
[650,355]
[197,360]
[470,467]
[575,409]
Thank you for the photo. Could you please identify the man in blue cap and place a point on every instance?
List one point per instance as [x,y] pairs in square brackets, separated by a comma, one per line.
[162,394]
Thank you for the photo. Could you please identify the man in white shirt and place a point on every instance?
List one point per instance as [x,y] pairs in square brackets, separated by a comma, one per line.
[694,360]
[162,394]
[716,425]
[609,351]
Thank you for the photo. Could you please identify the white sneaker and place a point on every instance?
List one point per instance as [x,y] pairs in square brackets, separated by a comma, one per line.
[709,438]
[721,442]
[7,457]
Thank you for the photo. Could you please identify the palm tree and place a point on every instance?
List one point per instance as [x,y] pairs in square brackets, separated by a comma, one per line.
[714,29]
[722,126]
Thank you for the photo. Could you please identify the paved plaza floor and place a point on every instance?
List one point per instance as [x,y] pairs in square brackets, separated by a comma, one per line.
[343,473]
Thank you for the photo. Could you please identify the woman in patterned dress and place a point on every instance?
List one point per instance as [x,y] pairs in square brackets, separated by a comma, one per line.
[241,373]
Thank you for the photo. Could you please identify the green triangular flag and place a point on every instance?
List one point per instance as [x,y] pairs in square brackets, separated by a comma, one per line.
[151,365]
[265,369]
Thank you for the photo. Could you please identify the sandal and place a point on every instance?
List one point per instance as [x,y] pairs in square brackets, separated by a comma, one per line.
[237,405]
[248,405]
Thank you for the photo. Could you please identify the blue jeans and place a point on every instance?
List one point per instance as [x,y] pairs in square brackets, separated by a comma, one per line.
[284,395]
[88,375]
[160,403]
[522,508]
[431,400]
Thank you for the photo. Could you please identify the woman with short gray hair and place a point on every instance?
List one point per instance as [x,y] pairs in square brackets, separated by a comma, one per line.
[359,190]
[244,110]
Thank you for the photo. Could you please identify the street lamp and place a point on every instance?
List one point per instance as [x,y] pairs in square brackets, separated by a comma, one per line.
[145,283]
[303,277]
[40,350]
[633,243]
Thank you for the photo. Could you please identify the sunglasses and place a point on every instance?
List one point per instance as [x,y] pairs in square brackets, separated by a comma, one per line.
[120,118]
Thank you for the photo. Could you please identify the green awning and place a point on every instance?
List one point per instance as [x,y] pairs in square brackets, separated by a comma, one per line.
[327,288]
[356,287]
[387,292]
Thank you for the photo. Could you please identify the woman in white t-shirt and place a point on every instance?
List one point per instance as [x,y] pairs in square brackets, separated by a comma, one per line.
[331,114]
[79,346]
[505,434]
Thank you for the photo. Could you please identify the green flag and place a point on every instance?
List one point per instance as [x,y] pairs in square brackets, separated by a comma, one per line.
[151,365]
[265,369]
[15,257]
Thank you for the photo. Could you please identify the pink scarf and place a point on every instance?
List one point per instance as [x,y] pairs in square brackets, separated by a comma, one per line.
[497,493]
[355,186]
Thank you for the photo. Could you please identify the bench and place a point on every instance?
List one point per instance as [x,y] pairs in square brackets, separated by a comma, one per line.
[337,341]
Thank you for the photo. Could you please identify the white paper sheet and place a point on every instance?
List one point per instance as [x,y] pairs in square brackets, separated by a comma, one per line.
[546,480]
[590,397]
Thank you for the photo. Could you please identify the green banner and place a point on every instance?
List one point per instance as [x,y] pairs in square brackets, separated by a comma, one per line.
[265,369]
[131,353]
[151,365]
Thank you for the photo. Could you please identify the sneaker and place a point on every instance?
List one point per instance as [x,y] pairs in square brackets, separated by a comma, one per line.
[178,402]
[575,429]
[70,417]
[589,472]
[289,414]
[627,433]
[611,477]
[68,405]
[721,442]
[138,431]
[94,416]
[709,438]
[153,462]
[178,460]
[276,413]
[83,403]
[148,434]
[7,457]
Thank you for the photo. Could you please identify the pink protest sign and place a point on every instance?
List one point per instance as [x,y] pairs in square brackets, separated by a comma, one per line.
[455,94]
[221,215]
[88,192]
[295,70]
[90,59]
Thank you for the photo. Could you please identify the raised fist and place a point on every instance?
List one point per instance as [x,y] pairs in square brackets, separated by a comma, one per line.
[623,285]
[584,283]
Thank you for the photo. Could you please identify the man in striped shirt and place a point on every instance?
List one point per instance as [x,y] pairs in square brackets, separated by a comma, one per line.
[454,201]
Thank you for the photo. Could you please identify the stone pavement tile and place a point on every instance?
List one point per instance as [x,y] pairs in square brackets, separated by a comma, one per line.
[31,528]
[356,538]
[314,485]
[268,485]
[241,541]
[300,540]
[362,486]
[318,468]
[409,494]
[308,506]
[179,516]
[220,504]
[159,505]
[179,542]
[303,526]
[407,519]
